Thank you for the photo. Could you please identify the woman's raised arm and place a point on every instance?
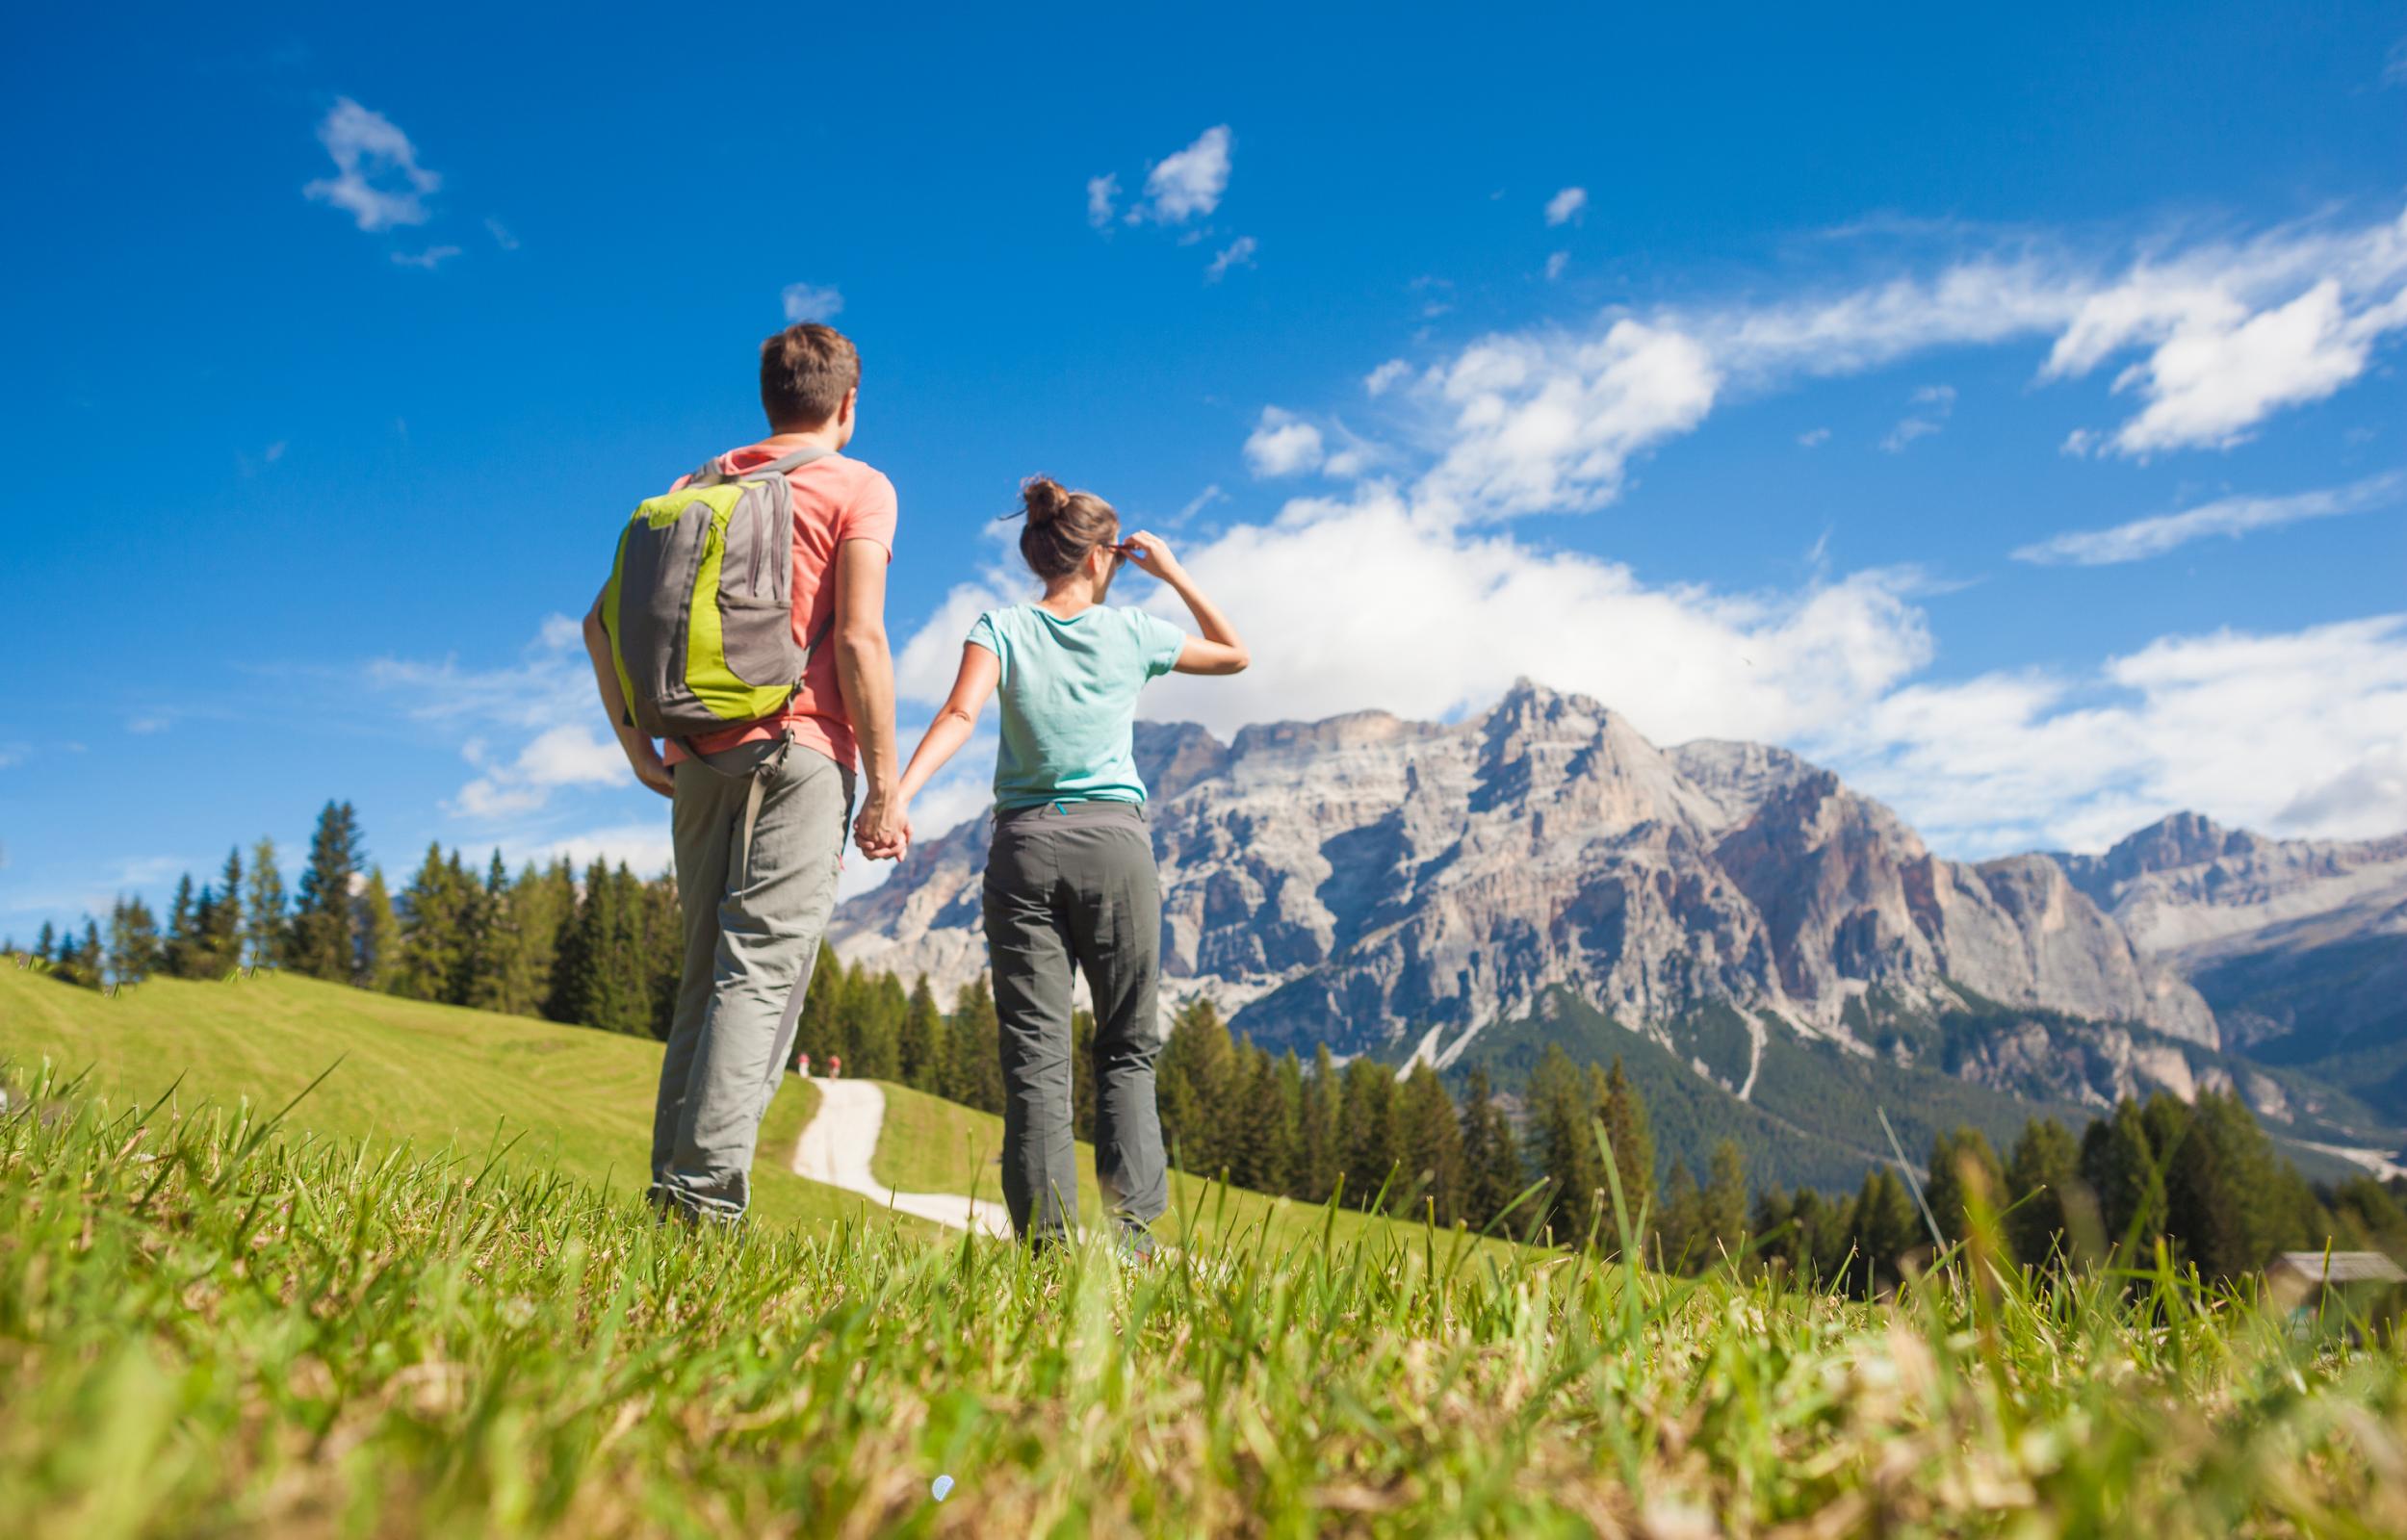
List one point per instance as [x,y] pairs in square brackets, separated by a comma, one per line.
[1220,650]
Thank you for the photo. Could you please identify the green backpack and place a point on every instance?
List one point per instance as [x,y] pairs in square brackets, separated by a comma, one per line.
[700,607]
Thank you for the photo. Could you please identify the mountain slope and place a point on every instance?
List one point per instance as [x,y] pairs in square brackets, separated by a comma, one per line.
[1369,883]
[2299,946]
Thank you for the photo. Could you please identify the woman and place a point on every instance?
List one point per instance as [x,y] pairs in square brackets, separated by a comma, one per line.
[1070,878]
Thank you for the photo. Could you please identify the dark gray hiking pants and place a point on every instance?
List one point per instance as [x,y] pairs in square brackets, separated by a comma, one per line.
[754,913]
[1073,884]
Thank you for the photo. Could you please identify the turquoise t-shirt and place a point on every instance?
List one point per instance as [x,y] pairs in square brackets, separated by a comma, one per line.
[1070,693]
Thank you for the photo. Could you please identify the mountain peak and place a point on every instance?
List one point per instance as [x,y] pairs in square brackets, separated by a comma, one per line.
[2176,839]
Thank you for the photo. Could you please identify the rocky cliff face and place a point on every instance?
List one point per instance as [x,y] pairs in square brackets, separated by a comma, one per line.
[1388,887]
[2289,938]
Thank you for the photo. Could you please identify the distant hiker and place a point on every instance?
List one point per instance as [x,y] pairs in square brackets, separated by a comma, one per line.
[1070,880]
[835,1067]
[802,1066]
[744,623]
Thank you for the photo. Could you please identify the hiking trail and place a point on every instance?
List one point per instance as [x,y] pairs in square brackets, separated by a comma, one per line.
[843,1134]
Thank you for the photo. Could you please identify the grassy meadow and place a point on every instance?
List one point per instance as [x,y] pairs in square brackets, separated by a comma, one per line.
[351,1323]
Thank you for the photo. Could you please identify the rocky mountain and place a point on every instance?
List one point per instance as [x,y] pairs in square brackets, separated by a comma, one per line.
[1392,887]
[1757,936]
[2299,946]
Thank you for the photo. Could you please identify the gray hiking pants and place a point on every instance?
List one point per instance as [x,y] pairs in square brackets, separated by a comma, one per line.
[1073,884]
[754,911]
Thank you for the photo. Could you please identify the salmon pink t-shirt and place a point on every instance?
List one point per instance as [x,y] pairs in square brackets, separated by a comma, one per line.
[836,499]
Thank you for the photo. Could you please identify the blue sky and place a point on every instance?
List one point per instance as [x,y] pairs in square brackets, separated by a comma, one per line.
[2003,410]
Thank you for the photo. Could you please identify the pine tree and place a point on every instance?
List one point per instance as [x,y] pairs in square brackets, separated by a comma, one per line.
[1623,1112]
[577,964]
[133,942]
[819,1030]
[1431,1136]
[922,1049]
[1961,1162]
[1774,1228]
[546,902]
[428,963]
[1722,1208]
[2119,1165]
[45,944]
[1885,1229]
[973,1058]
[2039,1181]
[1261,1153]
[664,950]
[180,954]
[1680,1242]
[221,933]
[88,960]
[2225,1191]
[380,933]
[1491,1164]
[1318,1158]
[1196,1088]
[263,915]
[1561,1114]
[322,942]
[1368,1138]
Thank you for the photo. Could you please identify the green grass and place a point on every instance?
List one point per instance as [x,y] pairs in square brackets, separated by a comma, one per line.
[208,1326]
[929,1145]
[577,1101]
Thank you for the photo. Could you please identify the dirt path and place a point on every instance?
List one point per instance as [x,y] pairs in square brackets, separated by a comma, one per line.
[835,1150]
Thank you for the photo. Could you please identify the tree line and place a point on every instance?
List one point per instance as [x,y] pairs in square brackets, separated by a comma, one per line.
[1570,1161]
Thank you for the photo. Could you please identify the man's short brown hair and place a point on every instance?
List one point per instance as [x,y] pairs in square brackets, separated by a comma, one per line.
[805,372]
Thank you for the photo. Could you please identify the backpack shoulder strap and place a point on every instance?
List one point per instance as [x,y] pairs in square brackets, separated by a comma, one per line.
[710,474]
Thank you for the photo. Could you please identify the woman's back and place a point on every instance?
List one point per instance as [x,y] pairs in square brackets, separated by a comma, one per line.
[1068,690]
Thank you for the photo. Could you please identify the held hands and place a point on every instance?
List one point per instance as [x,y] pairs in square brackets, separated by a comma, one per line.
[883,831]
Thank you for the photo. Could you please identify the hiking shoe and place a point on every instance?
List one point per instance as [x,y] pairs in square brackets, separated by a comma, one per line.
[1132,1244]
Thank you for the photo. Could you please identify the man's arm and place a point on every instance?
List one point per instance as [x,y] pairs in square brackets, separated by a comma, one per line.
[865,673]
[642,755]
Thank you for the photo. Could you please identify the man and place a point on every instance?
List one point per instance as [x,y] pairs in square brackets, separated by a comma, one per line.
[757,885]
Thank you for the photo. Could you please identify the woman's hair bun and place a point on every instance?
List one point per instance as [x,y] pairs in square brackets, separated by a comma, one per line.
[1042,497]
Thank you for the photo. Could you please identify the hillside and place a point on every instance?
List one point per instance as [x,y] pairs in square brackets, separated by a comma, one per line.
[410,1073]
[577,1100]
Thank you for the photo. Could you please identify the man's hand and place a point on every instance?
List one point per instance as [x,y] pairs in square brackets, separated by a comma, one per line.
[883,831]
[654,774]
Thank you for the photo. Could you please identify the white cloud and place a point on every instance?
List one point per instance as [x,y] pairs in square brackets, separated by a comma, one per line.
[1239,253]
[274,453]
[1391,373]
[1565,206]
[1102,191]
[563,756]
[644,849]
[378,179]
[1283,444]
[811,301]
[1556,263]
[2302,732]
[1197,503]
[2232,517]
[1814,438]
[501,233]
[1357,604]
[430,258]
[1186,184]
[1550,422]
[545,700]
[1933,405]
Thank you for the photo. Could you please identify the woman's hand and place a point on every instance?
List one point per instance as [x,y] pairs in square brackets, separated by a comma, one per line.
[1152,553]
